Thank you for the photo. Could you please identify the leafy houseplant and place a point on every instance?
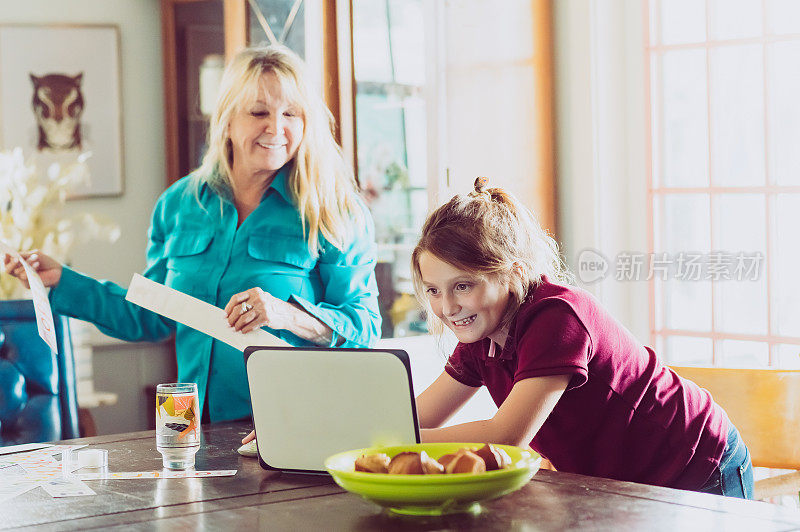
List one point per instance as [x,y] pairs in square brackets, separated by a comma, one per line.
[31,217]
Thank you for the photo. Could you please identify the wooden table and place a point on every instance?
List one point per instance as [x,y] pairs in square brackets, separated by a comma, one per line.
[258,499]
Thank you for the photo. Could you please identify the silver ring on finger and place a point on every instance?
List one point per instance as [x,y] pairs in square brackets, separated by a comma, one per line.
[246,307]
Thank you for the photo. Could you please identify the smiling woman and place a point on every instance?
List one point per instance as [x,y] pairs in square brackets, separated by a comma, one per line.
[270,227]
[264,135]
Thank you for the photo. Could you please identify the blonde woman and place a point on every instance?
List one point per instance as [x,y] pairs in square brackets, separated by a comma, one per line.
[270,226]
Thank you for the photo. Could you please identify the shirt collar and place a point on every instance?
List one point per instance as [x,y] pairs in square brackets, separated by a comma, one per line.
[280,183]
[509,351]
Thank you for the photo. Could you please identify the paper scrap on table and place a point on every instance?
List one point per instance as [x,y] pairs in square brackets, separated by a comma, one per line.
[24,471]
[10,449]
[66,487]
[127,475]
[41,305]
[194,313]
[11,470]
[12,487]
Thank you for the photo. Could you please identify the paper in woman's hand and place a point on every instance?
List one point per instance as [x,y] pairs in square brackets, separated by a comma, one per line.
[194,313]
[41,305]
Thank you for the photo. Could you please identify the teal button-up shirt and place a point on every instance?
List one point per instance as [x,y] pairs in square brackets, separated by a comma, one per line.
[195,247]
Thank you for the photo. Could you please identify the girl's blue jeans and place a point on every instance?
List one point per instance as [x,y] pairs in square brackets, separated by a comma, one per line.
[734,476]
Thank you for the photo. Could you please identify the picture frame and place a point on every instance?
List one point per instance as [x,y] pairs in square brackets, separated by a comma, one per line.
[60,96]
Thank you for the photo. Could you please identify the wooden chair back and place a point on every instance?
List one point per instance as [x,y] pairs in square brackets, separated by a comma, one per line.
[764,404]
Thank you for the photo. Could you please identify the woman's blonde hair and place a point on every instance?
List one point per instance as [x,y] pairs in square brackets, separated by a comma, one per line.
[320,183]
[489,232]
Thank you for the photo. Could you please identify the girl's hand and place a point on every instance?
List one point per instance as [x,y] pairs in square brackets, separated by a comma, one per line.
[254,308]
[250,437]
[47,267]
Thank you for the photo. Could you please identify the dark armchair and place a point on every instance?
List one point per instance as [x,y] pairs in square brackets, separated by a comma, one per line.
[38,399]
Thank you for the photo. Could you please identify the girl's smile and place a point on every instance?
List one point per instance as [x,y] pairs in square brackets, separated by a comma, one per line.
[471,305]
[465,322]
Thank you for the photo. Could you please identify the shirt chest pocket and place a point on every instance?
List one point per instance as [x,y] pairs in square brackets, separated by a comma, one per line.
[186,258]
[285,254]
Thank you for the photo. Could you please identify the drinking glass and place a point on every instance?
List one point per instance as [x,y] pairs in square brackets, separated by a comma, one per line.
[177,424]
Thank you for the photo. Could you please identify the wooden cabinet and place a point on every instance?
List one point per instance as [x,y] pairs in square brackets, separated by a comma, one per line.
[191,31]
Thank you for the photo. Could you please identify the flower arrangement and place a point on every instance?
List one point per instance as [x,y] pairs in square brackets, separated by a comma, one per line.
[31,214]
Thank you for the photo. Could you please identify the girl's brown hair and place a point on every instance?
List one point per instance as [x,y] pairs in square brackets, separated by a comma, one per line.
[489,232]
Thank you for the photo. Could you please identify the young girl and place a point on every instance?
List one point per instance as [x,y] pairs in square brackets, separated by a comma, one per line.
[568,379]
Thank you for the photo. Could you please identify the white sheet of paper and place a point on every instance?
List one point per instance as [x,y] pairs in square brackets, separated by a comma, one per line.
[66,487]
[9,449]
[41,305]
[130,475]
[194,313]
[12,487]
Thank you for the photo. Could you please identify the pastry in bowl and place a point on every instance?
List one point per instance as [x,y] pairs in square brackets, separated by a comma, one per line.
[431,493]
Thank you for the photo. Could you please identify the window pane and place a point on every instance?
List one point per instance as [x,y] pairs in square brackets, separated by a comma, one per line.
[739,354]
[656,127]
[371,41]
[787,259]
[686,240]
[783,16]
[408,50]
[788,357]
[682,21]
[686,223]
[276,13]
[688,351]
[737,115]
[740,222]
[685,124]
[735,19]
[660,346]
[784,111]
[653,19]
[688,305]
[739,232]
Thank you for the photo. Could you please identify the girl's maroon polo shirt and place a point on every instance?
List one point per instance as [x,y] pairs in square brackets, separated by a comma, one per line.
[623,415]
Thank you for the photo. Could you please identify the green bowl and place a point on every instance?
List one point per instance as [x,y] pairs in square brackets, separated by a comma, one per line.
[432,494]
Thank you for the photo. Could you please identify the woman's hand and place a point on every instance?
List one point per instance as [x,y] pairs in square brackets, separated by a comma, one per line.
[250,437]
[254,308]
[48,268]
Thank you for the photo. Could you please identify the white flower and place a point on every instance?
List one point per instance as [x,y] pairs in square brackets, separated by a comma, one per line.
[30,211]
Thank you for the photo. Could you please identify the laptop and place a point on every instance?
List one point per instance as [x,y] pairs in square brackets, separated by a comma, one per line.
[311,403]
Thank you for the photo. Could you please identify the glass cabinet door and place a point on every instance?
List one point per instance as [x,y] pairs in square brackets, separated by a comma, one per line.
[281,21]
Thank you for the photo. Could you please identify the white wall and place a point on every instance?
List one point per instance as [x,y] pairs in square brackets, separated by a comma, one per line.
[601,125]
[121,368]
[143,123]
[488,80]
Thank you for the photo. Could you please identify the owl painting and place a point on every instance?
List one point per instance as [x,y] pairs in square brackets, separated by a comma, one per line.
[58,104]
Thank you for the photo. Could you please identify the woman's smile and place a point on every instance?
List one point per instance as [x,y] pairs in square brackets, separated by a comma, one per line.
[272,146]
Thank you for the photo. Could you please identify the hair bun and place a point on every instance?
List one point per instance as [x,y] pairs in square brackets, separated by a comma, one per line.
[480,184]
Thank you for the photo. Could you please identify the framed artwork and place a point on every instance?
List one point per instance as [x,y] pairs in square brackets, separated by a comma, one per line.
[60,96]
